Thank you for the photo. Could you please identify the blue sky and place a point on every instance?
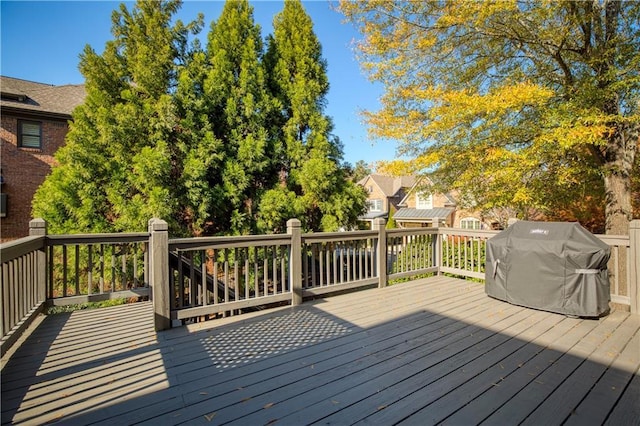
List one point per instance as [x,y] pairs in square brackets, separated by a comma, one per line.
[41,42]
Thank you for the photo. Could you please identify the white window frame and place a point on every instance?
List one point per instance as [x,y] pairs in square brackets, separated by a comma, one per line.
[471,223]
[424,201]
[375,205]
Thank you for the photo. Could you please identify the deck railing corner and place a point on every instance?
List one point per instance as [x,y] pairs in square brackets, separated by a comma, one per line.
[22,283]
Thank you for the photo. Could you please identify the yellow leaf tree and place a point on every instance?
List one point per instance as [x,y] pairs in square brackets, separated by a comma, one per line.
[520,104]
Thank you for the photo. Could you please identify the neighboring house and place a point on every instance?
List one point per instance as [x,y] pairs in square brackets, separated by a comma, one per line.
[423,208]
[35,119]
[413,205]
[384,194]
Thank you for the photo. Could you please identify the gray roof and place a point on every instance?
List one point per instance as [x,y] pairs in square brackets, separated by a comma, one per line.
[391,185]
[417,214]
[39,98]
[373,215]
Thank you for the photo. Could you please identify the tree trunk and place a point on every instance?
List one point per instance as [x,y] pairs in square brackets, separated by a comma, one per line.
[618,207]
[620,155]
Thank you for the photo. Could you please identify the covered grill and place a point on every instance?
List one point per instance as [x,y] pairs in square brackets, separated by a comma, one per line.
[554,266]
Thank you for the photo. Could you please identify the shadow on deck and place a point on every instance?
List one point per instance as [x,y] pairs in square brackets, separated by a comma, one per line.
[423,352]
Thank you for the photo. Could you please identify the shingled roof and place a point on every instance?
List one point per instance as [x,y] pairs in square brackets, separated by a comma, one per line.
[33,98]
[390,185]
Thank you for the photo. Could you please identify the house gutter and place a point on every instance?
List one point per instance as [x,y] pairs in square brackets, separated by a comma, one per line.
[30,113]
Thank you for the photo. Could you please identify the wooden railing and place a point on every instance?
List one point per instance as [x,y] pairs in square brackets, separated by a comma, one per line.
[411,252]
[624,269]
[23,286]
[194,278]
[53,270]
[338,261]
[95,267]
[219,275]
[463,251]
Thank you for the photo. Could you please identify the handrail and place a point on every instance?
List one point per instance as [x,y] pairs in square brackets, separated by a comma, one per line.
[614,240]
[413,231]
[14,249]
[131,237]
[485,233]
[337,236]
[201,243]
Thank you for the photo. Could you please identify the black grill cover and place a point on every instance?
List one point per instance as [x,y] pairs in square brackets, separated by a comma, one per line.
[554,266]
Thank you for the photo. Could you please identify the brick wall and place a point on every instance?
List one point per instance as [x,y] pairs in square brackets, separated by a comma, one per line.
[24,170]
[460,214]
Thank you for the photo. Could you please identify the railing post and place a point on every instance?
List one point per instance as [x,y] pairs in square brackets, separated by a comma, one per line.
[295,260]
[634,265]
[381,250]
[437,244]
[159,272]
[38,227]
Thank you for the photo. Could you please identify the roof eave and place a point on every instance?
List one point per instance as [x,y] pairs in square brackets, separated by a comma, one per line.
[24,112]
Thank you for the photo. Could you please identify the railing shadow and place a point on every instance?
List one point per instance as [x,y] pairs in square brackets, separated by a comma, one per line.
[67,353]
[100,378]
[20,368]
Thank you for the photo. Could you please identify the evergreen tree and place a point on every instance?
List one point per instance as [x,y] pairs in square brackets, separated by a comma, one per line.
[360,171]
[115,171]
[239,104]
[313,185]
[222,140]
[201,153]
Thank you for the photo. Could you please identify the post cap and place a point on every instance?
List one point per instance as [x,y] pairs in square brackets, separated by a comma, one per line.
[37,223]
[294,223]
[156,224]
[37,226]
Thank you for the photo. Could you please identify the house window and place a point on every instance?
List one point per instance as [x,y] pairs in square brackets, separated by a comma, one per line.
[470,223]
[30,134]
[370,189]
[424,201]
[375,205]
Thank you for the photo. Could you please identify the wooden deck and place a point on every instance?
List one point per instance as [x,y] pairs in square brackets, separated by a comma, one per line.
[422,352]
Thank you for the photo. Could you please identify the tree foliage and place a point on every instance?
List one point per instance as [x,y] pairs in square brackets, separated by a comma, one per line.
[523,104]
[313,185]
[223,139]
[223,96]
[360,171]
[115,170]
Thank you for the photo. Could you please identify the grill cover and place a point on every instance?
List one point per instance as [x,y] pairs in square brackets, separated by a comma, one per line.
[555,266]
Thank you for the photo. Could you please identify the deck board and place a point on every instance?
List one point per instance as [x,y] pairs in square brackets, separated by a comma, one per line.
[422,352]
[610,386]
